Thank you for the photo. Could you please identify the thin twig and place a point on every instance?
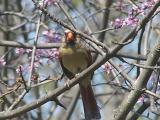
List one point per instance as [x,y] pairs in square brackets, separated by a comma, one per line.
[31,69]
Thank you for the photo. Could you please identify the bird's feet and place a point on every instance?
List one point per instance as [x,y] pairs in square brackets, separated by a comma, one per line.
[76,75]
[67,83]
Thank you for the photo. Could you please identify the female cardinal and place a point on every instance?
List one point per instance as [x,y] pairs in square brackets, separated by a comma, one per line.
[74,59]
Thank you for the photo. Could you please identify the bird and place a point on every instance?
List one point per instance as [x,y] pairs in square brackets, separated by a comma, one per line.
[74,58]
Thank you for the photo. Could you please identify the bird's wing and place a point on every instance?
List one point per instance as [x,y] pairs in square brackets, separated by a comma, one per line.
[68,73]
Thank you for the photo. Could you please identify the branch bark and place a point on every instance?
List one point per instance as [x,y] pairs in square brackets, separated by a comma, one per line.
[140,83]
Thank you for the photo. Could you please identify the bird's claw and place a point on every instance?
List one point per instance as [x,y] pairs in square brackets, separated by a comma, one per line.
[67,83]
[76,75]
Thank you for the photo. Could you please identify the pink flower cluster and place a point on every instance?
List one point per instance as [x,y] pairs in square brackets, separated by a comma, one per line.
[2,62]
[49,2]
[51,36]
[49,54]
[120,5]
[107,67]
[23,68]
[40,53]
[148,4]
[133,18]
[130,21]
[19,51]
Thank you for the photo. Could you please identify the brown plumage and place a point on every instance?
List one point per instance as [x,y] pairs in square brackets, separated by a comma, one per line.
[74,59]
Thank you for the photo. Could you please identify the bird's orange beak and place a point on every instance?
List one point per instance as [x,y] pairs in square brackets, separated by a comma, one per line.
[70,36]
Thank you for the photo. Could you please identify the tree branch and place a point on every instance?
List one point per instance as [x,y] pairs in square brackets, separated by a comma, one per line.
[140,83]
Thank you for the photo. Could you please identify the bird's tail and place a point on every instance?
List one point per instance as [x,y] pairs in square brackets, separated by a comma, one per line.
[91,109]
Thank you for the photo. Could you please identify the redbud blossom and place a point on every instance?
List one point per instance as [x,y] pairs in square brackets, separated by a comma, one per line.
[51,36]
[49,2]
[107,67]
[19,51]
[2,62]
[133,13]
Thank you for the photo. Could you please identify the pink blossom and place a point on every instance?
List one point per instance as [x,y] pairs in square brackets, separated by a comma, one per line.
[120,5]
[117,23]
[107,67]
[19,51]
[48,33]
[44,53]
[130,21]
[28,50]
[136,10]
[148,4]
[36,64]
[51,36]
[49,2]
[56,53]
[23,68]
[2,61]
[141,99]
